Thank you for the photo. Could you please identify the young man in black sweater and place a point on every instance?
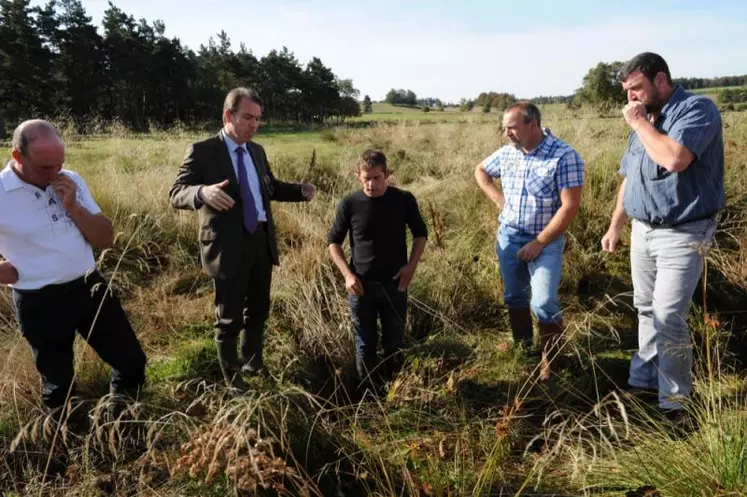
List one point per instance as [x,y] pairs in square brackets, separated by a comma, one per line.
[379,272]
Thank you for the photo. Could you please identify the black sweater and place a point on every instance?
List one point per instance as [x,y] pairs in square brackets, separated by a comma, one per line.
[378,238]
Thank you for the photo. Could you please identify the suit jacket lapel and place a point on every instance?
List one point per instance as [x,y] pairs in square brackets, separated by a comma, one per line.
[259,166]
[225,162]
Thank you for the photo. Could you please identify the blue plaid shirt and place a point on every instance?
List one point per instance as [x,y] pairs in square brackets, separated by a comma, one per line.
[532,182]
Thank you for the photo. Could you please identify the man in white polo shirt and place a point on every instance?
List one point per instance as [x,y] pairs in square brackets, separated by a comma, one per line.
[48,224]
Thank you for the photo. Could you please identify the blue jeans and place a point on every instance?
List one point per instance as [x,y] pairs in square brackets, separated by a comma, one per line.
[530,284]
[666,264]
[380,300]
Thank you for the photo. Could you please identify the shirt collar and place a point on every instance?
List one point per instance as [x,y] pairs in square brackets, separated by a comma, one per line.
[11,181]
[547,139]
[677,95]
[232,145]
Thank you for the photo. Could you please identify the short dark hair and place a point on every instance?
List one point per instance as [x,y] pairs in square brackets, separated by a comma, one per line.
[372,158]
[529,111]
[235,96]
[29,131]
[649,63]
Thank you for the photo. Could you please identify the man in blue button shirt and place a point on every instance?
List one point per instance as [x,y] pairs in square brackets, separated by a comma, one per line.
[673,188]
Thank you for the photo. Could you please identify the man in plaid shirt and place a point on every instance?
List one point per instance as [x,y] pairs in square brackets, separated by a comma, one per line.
[541,180]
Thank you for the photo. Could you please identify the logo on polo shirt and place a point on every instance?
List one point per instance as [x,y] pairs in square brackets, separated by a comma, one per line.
[55,211]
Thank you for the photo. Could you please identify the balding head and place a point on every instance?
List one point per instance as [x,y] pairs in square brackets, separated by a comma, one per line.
[38,152]
[31,131]
[528,111]
[522,125]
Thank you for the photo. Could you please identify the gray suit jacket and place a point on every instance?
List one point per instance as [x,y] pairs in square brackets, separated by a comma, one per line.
[207,162]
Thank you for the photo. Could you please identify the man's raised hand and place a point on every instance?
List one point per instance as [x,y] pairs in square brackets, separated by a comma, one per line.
[215,197]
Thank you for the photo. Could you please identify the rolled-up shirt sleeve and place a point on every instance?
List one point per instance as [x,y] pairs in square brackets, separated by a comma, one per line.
[492,164]
[570,170]
[696,128]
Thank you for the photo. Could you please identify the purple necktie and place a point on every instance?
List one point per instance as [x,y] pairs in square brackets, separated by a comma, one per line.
[247,198]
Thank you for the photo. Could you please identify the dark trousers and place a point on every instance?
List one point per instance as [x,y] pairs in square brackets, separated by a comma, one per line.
[380,300]
[49,318]
[242,304]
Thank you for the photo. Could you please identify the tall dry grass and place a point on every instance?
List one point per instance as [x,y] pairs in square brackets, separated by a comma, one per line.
[463,417]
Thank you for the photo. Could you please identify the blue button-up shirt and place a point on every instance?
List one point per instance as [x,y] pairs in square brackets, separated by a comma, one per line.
[658,196]
[531,182]
[251,174]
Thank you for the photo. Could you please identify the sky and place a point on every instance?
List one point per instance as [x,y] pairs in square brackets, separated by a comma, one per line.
[450,49]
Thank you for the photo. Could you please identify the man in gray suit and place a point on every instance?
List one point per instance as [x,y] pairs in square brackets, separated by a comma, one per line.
[228,181]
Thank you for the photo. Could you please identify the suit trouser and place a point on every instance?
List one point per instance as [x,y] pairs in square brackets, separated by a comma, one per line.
[49,318]
[242,303]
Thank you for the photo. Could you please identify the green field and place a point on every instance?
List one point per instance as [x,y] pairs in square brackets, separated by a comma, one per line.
[713,93]
[394,113]
[465,416]
[718,89]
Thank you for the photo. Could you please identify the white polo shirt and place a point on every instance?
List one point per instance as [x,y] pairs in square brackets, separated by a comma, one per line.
[38,236]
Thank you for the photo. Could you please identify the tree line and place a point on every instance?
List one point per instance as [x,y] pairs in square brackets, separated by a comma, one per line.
[603,90]
[487,102]
[698,83]
[54,62]
[490,101]
[410,99]
[401,97]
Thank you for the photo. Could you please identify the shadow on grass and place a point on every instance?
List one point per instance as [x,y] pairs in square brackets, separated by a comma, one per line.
[451,352]
[596,283]
[726,302]
[478,398]
[334,379]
